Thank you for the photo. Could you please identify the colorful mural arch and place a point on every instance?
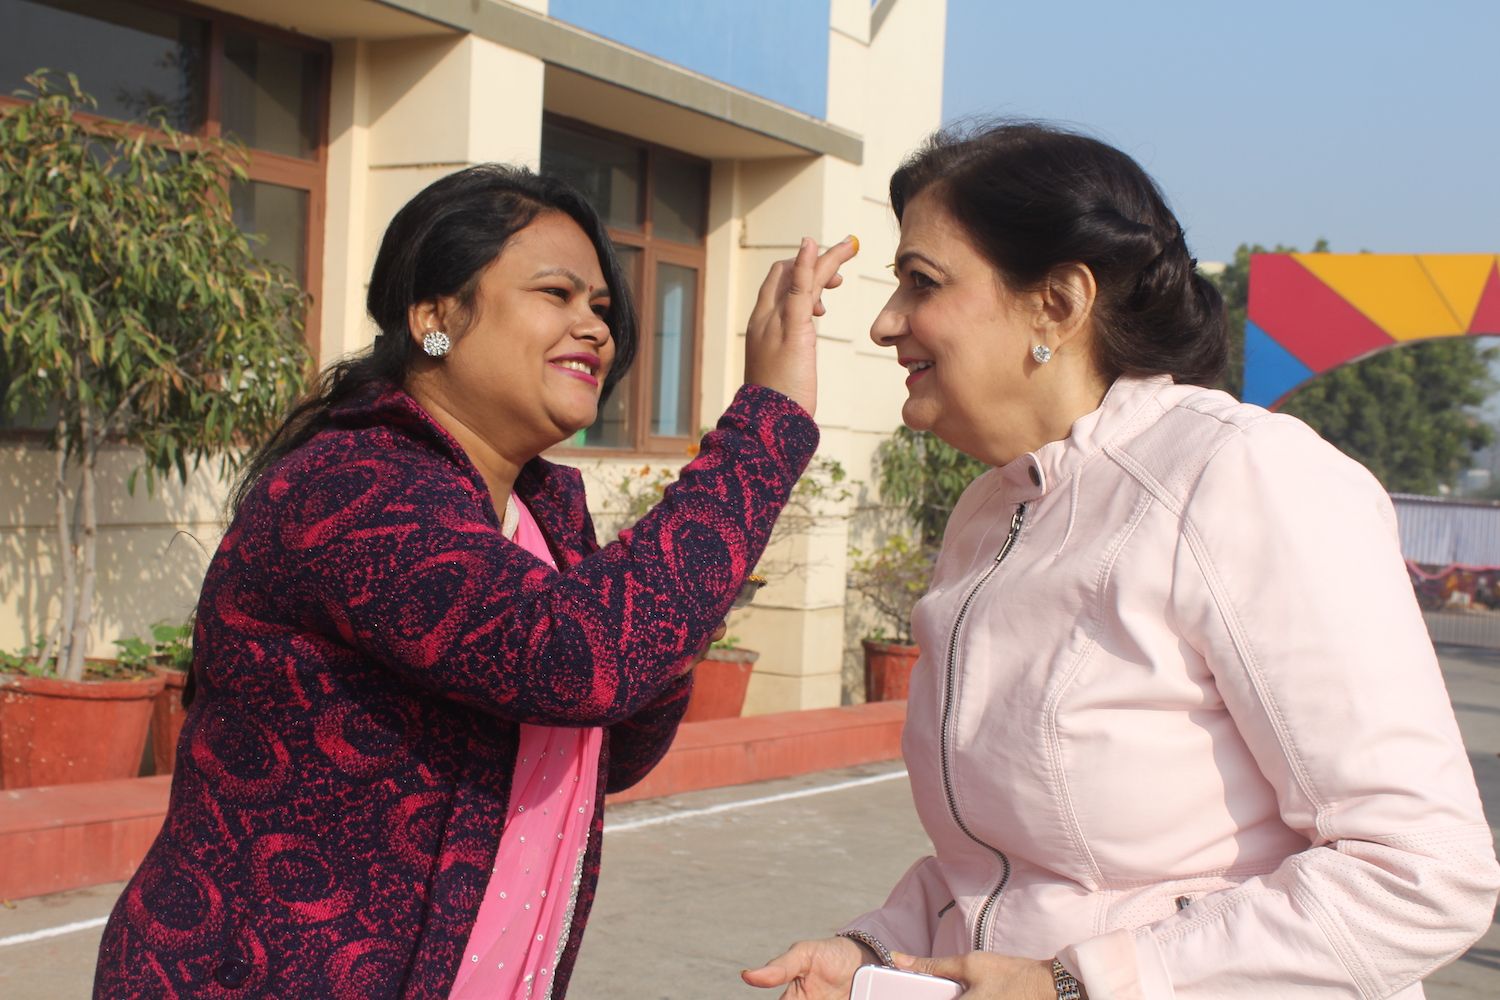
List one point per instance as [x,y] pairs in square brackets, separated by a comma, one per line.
[1309,312]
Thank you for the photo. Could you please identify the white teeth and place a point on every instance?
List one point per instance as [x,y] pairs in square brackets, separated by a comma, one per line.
[577,366]
[918,366]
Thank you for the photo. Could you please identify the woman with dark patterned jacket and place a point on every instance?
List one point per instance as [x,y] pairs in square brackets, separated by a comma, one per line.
[416,672]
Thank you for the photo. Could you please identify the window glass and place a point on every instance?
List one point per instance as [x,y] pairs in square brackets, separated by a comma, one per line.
[657,400]
[673,342]
[277,218]
[607,172]
[612,429]
[135,60]
[679,199]
[270,94]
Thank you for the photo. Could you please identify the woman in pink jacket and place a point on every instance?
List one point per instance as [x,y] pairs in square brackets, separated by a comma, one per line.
[1178,730]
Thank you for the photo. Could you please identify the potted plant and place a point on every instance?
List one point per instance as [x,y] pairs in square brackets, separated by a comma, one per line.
[134,312]
[56,732]
[168,656]
[921,478]
[890,580]
[720,681]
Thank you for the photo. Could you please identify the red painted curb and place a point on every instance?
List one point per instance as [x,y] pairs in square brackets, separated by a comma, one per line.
[69,836]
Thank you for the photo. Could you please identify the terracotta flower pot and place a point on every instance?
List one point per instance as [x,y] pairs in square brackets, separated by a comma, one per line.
[56,732]
[167,714]
[719,684]
[888,669]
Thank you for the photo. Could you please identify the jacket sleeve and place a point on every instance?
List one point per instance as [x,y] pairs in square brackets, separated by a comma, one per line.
[1292,587]
[388,552]
[908,920]
[637,744]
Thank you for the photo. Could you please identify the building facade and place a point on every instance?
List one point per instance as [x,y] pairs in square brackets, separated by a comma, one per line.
[711,136]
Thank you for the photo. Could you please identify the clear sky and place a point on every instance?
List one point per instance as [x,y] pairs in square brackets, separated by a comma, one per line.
[1373,123]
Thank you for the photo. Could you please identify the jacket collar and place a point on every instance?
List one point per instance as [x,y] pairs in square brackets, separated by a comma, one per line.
[552,493]
[1039,472]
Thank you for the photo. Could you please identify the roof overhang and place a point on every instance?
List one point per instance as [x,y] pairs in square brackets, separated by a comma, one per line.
[592,74]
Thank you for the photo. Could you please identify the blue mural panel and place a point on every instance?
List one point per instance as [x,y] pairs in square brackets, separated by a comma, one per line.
[1271,371]
[776,49]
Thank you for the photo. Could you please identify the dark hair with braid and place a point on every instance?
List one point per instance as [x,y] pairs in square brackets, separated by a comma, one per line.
[438,246]
[1033,196]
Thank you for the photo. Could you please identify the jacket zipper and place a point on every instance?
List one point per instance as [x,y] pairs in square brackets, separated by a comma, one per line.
[980,925]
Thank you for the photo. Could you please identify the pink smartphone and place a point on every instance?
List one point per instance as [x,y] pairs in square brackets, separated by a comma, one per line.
[877,982]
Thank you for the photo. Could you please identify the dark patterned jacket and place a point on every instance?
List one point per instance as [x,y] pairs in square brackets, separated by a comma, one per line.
[367,643]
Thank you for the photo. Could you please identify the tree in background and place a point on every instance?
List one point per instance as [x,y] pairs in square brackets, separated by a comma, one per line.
[923,476]
[132,311]
[1404,413]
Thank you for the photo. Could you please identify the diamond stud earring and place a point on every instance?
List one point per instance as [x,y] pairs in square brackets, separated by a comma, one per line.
[1042,353]
[436,343]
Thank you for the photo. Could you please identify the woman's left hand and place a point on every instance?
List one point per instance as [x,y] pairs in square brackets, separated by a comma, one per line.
[987,976]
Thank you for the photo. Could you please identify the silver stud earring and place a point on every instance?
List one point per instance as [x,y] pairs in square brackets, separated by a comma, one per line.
[436,343]
[1041,353]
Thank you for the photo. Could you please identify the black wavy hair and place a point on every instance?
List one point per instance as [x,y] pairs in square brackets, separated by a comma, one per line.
[1033,196]
[438,246]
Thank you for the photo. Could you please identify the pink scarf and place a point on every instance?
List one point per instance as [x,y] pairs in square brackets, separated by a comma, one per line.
[527,910]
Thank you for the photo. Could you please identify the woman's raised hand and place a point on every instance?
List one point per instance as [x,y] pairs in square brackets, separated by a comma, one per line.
[780,342]
[810,970]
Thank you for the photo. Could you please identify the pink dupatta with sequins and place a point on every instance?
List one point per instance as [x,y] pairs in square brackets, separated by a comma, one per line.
[527,911]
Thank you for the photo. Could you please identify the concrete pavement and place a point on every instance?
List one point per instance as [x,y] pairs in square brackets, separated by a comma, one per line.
[696,887]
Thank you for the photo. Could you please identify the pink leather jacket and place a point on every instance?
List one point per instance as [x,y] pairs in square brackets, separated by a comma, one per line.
[1178,722]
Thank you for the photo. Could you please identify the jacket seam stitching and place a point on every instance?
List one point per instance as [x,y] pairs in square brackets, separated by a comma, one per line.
[1054,742]
[1230,617]
[1413,838]
[1344,949]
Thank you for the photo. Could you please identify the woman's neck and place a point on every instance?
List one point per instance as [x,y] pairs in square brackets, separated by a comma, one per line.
[497,469]
[1055,408]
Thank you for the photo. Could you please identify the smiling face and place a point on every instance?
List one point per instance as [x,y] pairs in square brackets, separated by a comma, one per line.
[526,371]
[965,340]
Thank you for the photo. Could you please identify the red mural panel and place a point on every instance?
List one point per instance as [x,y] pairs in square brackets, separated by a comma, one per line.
[1487,314]
[1287,296]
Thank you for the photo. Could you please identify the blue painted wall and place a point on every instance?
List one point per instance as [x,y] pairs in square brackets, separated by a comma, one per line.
[776,49]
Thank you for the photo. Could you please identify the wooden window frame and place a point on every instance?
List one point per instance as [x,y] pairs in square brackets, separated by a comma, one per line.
[654,250]
[309,175]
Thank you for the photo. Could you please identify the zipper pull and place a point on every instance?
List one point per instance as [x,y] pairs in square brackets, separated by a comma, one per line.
[1015,529]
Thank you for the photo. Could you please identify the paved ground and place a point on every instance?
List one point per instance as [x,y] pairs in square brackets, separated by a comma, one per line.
[698,886]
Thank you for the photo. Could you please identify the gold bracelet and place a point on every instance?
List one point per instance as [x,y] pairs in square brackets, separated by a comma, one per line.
[1068,988]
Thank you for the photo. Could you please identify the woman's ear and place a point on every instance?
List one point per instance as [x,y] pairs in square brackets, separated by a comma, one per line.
[424,318]
[1067,303]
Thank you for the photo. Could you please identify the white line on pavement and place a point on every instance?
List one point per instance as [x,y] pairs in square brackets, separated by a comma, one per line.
[636,824]
[42,935]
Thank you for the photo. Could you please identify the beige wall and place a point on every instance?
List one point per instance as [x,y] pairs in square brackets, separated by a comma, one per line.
[404,113]
[152,547]
[406,110]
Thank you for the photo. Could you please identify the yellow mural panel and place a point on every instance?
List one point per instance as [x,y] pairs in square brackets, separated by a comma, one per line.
[1393,290]
[1460,279]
